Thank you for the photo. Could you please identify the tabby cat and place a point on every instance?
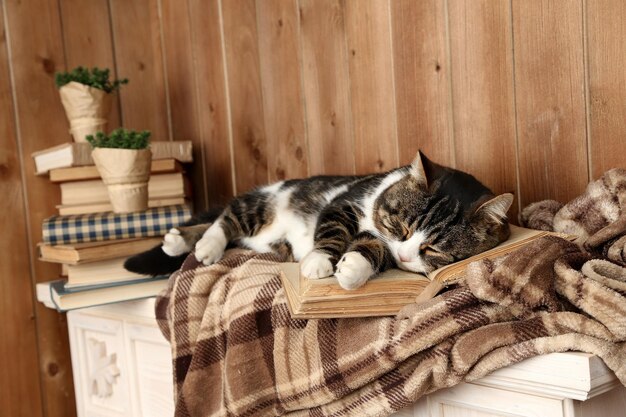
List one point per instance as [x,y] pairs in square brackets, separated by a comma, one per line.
[418,218]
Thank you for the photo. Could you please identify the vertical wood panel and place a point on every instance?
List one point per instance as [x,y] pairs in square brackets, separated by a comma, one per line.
[482,87]
[246,101]
[36,53]
[606,35]
[371,79]
[282,89]
[326,87]
[88,41]
[20,388]
[211,97]
[139,57]
[549,82]
[422,80]
[182,88]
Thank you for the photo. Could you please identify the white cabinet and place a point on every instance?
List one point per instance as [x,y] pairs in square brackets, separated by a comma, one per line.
[121,362]
[122,367]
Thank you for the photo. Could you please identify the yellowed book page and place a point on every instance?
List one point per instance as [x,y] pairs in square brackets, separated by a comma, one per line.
[393,281]
[519,237]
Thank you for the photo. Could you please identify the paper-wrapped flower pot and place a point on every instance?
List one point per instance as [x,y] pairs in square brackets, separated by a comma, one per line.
[126,173]
[87,109]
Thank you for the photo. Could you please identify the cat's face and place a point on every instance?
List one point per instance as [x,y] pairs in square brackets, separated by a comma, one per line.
[436,216]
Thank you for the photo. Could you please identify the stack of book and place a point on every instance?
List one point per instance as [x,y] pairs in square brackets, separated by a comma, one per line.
[91,242]
[82,191]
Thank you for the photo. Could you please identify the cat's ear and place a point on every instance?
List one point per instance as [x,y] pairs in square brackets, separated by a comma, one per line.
[417,169]
[495,209]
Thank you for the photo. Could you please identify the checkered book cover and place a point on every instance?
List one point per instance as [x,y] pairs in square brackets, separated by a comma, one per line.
[95,227]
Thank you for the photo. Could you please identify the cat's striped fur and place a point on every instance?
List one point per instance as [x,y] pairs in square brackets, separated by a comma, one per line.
[418,217]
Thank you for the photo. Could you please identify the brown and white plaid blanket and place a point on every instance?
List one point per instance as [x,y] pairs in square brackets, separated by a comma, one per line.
[237,351]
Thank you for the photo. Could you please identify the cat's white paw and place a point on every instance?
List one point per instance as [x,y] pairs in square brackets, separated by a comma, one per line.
[353,270]
[210,248]
[174,244]
[316,265]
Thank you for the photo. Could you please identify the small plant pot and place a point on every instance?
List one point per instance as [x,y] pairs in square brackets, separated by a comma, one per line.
[87,109]
[126,173]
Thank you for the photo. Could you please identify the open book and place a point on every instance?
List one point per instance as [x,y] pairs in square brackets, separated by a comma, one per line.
[388,292]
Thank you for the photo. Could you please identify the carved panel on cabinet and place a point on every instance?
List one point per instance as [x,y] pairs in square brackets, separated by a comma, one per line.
[99,364]
[103,369]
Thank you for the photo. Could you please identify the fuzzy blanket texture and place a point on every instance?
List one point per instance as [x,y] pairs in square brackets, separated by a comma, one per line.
[237,351]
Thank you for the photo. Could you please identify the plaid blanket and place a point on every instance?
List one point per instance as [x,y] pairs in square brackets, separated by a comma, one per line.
[237,352]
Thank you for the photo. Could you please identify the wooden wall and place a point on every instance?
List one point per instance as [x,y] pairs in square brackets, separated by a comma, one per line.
[528,95]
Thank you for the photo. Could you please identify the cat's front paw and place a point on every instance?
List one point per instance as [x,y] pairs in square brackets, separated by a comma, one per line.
[174,243]
[316,265]
[353,270]
[209,250]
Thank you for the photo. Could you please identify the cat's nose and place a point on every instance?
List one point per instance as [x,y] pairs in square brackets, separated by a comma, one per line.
[404,258]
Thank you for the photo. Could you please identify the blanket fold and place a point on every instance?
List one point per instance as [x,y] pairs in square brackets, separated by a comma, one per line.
[237,351]
[597,217]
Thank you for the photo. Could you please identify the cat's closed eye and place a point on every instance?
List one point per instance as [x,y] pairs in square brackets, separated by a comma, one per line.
[430,250]
[406,232]
[389,225]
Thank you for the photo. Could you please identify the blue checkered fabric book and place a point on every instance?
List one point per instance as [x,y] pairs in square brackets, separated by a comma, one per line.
[95,227]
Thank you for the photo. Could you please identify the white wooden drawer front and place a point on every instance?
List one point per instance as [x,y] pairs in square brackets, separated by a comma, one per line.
[150,371]
[478,401]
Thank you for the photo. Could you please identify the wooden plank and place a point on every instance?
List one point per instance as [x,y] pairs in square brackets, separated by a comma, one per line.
[182,89]
[372,88]
[245,96]
[550,99]
[282,89]
[326,83]
[212,104]
[35,56]
[422,74]
[88,41]
[607,91]
[139,57]
[20,387]
[483,97]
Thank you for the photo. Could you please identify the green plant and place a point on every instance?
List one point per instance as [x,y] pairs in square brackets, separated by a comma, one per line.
[121,139]
[95,77]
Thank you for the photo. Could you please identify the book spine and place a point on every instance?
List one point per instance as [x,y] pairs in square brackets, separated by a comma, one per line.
[82,154]
[179,150]
[59,230]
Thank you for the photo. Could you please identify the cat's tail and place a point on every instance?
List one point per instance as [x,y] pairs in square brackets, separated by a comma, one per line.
[156,262]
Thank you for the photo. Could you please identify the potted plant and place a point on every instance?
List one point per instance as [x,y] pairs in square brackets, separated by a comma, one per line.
[86,95]
[123,159]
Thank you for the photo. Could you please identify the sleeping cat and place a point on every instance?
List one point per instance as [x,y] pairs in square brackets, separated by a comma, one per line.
[417,217]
